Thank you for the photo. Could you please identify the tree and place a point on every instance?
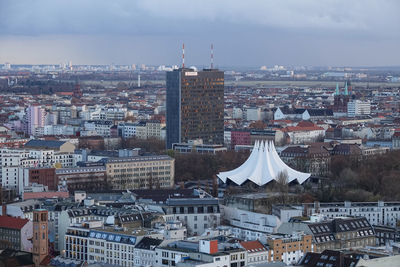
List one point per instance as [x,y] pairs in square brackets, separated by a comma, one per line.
[282,182]
[258,125]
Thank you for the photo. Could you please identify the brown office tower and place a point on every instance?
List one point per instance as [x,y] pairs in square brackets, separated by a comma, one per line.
[40,235]
[195,106]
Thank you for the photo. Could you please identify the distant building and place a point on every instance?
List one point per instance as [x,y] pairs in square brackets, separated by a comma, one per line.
[341,99]
[90,179]
[195,106]
[377,213]
[35,116]
[198,146]
[141,172]
[358,108]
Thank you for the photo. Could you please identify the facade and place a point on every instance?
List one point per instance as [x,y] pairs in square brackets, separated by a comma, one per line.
[314,158]
[145,252]
[289,249]
[358,108]
[256,252]
[197,214]
[195,106]
[386,235]
[141,130]
[304,132]
[15,233]
[36,117]
[337,233]
[98,127]
[90,179]
[141,172]
[15,163]
[92,246]
[43,176]
[240,137]
[377,213]
[247,225]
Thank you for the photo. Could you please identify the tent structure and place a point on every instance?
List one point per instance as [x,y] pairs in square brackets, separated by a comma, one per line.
[262,166]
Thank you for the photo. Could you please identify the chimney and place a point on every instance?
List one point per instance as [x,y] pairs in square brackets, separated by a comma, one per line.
[4,209]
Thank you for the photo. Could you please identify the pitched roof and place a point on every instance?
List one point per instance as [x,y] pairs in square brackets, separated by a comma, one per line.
[12,222]
[320,112]
[253,246]
[147,242]
[305,124]
[44,144]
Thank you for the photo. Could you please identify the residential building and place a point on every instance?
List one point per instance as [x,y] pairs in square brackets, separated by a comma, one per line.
[15,233]
[35,116]
[97,127]
[256,252]
[289,248]
[377,213]
[386,235]
[336,233]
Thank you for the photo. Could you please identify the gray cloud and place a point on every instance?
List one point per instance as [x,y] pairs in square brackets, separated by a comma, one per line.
[248,32]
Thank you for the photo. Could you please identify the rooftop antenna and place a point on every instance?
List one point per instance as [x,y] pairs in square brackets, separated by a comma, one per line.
[212,56]
[183,56]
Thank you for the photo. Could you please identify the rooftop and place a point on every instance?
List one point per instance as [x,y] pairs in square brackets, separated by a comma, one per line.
[12,222]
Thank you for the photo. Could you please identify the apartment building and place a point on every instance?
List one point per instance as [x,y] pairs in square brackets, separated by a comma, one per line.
[289,249]
[377,213]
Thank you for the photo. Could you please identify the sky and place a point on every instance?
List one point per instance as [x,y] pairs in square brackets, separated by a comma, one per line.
[244,32]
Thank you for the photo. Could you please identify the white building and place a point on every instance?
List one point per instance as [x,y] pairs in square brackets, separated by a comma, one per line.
[377,213]
[263,166]
[249,225]
[358,108]
[99,127]
[253,114]
[36,117]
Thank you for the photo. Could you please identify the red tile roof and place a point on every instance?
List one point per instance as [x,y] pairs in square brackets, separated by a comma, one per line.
[301,129]
[12,222]
[253,246]
[305,124]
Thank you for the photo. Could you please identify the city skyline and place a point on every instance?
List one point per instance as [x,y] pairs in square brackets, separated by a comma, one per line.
[338,33]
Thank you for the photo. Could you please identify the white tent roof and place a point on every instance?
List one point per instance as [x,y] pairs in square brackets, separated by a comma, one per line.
[262,166]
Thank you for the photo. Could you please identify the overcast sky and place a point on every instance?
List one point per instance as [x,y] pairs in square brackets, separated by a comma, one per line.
[244,32]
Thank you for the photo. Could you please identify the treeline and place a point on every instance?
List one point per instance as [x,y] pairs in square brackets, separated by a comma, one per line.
[195,166]
[371,179]
[36,87]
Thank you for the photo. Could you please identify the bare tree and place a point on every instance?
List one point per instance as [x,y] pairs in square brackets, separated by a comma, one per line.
[282,181]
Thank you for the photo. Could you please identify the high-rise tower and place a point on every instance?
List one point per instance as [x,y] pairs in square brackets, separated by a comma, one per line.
[40,235]
[195,106]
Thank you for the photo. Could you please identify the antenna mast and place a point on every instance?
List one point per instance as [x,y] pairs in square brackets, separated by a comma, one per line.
[212,56]
[183,56]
